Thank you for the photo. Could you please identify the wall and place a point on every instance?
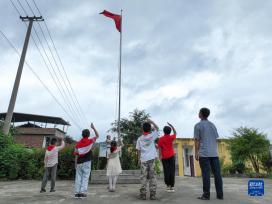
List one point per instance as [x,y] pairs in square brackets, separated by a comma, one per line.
[34,137]
[29,140]
[182,142]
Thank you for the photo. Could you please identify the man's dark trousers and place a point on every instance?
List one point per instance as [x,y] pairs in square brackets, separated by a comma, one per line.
[207,164]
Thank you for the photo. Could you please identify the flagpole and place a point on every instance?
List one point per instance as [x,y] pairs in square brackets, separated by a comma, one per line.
[120,78]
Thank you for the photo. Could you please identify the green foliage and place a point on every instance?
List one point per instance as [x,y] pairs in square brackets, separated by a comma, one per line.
[66,165]
[248,145]
[234,168]
[129,159]
[131,128]
[17,161]
[5,140]
[158,166]
[266,162]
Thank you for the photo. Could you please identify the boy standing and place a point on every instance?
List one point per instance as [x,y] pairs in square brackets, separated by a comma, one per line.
[51,164]
[83,156]
[167,155]
[147,154]
[205,134]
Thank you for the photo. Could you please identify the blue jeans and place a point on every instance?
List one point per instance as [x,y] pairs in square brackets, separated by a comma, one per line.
[82,177]
[207,164]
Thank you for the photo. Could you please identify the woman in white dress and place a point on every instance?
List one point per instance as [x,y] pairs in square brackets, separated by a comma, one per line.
[113,164]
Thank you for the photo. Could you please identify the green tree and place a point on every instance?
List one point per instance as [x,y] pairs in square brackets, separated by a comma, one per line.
[249,145]
[131,128]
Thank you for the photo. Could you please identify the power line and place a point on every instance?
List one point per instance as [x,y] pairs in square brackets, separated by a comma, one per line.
[55,79]
[62,91]
[15,7]
[37,76]
[58,56]
[43,57]
[19,2]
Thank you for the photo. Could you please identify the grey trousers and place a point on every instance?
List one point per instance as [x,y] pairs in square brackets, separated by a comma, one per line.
[50,172]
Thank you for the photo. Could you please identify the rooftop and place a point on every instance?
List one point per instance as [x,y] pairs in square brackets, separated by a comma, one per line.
[23,117]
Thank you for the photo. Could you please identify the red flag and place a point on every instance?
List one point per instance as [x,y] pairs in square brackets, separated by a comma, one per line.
[117,19]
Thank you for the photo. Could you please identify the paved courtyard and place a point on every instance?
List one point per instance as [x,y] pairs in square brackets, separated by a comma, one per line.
[187,189]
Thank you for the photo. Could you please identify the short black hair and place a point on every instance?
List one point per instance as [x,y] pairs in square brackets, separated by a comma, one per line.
[146,127]
[85,133]
[53,141]
[167,130]
[205,112]
[113,143]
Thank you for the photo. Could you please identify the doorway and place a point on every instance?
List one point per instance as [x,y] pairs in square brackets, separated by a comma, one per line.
[188,161]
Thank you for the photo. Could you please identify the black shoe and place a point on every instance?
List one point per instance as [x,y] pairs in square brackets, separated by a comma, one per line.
[203,198]
[42,191]
[153,197]
[77,195]
[142,197]
[220,197]
[83,195]
[52,190]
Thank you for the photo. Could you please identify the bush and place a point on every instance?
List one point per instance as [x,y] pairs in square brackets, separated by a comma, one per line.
[129,159]
[5,140]
[234,168]
[17,162]
[66,165]
[158,166]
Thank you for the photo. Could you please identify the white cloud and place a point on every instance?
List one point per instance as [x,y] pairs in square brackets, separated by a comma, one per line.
[177,58]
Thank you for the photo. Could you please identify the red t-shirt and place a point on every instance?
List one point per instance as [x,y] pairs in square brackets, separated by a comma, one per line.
[165,144]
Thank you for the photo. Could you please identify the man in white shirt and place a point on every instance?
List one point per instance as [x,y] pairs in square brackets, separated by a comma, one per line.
[51,164]
[147,154]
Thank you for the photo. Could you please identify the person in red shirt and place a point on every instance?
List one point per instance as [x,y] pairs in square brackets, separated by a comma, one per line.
[167,156]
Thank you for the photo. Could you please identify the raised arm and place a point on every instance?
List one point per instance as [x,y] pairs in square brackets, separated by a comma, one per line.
[95,131]
[120,141]
[174,130]
[62,145]
[154,124]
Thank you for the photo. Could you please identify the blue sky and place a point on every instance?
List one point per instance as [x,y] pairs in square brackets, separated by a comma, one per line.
[178,56]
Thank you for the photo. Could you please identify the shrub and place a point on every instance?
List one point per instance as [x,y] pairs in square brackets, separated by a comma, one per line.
[17,162]
[5,140]
[158,166]
[66,165]
[129,159]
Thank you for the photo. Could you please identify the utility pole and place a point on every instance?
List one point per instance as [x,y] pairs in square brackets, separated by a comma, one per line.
[13,97]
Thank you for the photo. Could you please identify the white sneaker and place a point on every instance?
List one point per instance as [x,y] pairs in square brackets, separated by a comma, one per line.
[172,190]
[168,189]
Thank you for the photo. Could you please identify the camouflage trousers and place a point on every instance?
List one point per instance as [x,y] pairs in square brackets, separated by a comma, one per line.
[148,174]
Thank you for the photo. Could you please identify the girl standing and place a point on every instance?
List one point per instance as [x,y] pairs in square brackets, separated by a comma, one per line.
[113,164]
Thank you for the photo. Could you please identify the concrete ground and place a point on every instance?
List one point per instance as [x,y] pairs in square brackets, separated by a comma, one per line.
[187,190]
